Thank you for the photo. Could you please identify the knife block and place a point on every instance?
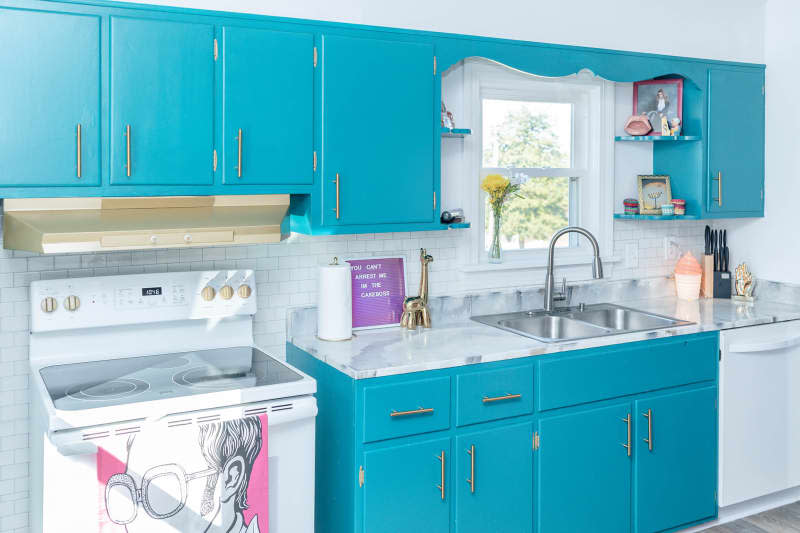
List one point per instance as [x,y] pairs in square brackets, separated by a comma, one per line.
[722,285]
[707,285]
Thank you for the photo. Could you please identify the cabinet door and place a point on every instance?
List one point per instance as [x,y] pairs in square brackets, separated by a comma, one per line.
[268,95]
[406,488]
[494,480]
[736,141]
[378,132]
[585,472]
[676,477]
[49,85]
[162,86]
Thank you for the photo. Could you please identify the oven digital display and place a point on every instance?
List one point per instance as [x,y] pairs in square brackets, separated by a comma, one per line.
[151,291]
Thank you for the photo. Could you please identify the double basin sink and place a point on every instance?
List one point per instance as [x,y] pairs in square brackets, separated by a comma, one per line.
[575,323]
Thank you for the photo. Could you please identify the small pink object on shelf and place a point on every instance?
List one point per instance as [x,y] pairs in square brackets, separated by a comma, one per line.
[688,274]
[680,206]
[638,125]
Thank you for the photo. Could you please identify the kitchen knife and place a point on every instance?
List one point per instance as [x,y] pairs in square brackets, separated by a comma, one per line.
[708,240]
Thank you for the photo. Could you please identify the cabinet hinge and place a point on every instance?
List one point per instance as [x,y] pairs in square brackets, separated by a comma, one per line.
[315,57]
[434,65]
[216,50]
[535,440]
[715,496]
[360,476]
[215,160]
[762,194]
[763,90]
[434,200]
[315,160]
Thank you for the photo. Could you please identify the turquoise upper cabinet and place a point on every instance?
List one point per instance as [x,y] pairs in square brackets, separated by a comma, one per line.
[676,460]
[49,87]
[585,471]
[408,488]
[162,92]
[269,97]
[378,131]
[736,141]
[494,480]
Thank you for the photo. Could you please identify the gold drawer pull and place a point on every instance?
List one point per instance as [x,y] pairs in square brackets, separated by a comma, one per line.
[627,420]
[649,440]
[718,179]
[128,149]
[420,411]
[471,480]
[441,487]
[79,151]
[501,398]
[239,166]
[336,209]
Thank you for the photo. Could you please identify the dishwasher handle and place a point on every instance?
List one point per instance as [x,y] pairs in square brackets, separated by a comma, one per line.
[766,346]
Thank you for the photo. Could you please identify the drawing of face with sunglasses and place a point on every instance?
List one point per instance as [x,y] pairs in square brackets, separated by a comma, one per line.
[202,489]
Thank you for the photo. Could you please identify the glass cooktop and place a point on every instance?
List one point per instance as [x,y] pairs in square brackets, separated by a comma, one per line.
[79,386]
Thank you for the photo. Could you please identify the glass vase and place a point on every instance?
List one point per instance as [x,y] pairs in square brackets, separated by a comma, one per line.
[495,251]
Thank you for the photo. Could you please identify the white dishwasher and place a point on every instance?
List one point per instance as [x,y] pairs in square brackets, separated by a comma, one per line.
[759,411]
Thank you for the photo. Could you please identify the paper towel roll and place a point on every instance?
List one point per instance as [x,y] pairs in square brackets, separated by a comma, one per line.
[334,302]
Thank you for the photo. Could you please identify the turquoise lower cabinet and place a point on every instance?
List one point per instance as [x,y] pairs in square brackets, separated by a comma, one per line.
[736,142]
[493,482]
[268,107]
[162,102]
[676,459]
[407,488]
[584,473]
[49,88]
[378,131]
[561,444]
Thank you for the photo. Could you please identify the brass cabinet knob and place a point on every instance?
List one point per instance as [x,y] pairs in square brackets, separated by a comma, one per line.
[72,302]
[245,291]
[226,292]
[208,293]
[49,304]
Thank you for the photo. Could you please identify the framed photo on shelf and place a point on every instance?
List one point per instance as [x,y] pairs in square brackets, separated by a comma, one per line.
[654,191]
[657,99]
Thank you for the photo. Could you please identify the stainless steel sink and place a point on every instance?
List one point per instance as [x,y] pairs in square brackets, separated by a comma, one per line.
[574,323]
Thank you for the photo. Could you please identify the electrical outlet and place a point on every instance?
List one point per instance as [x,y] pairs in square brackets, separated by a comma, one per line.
[631,255]
[672,249]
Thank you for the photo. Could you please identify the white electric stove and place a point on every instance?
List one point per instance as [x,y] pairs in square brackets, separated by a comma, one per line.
[127,357]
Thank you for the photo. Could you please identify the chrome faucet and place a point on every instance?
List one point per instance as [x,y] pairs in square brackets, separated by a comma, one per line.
[597,264]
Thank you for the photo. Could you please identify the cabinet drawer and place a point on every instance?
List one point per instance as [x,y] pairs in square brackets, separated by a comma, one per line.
[406,408]
[490,395]
[627,369]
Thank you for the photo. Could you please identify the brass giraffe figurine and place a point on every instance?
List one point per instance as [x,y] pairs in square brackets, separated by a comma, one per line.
[415,308]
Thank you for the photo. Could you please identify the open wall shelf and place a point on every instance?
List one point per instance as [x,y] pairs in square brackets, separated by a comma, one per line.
[623,216]
[657,138]
[455,132]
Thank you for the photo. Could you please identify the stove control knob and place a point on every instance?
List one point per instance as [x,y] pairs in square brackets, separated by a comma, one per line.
[72,302]
[245,291]
[208,293]
[49,304]
[226,292]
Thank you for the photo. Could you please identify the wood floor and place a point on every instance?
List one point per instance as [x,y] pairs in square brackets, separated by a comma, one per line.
[784,519]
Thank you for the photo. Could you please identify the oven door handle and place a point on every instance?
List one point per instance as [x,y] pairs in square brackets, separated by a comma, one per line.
[770,346]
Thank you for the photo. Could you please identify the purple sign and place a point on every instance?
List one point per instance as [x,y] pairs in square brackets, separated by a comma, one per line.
[379,289]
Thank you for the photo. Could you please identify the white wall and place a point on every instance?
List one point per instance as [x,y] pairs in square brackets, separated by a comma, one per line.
[769,245]
[714,29]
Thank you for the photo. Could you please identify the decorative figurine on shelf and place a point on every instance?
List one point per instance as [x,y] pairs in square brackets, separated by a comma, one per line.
[744,284]
[675,126]
[638,125]
[664,125]
[415,308]
[447,118]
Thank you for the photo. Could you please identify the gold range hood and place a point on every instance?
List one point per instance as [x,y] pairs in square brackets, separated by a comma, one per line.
[67,225]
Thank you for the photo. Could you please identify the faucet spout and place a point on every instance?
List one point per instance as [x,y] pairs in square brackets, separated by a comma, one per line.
[597,264]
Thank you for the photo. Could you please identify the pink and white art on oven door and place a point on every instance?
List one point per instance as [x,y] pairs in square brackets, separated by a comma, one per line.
[205,478]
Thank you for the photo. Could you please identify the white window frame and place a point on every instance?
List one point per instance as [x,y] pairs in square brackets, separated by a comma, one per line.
[594,202]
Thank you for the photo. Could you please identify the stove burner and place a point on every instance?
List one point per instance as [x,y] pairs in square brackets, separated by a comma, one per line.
[109,390]
[211,377]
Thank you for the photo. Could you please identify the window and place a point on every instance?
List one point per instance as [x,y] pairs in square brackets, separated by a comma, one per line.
[554,136]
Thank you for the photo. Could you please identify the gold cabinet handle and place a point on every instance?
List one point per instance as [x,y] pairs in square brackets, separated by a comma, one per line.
[420,411]
[239,166]
[649,440]
[441,486]
[471,480]
[128,148]
[336,209]
[718,179]
[501,398]
[79,151]
[627,420]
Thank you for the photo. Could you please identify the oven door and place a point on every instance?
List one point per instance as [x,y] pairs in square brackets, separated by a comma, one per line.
[166,474]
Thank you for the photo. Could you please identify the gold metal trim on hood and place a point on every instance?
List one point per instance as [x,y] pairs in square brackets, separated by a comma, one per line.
[68,225]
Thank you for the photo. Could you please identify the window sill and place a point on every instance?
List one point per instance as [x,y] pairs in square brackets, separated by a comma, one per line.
[533,264]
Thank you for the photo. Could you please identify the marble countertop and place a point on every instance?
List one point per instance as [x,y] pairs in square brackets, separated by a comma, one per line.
[389,351]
